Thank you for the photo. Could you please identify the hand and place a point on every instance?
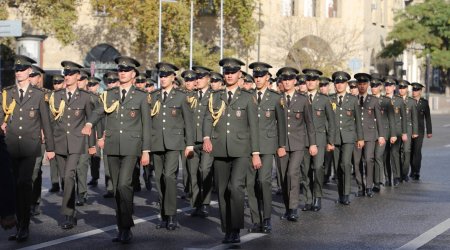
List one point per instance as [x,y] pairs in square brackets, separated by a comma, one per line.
[87,129]
[281,152]
[313,150]
[189,152]
[360,144]
[330,147]
[4,127]
[404,137]
[50,155]
[429,135]
[92,151]
[101,143]
[415,136]
[381,141]
[207,145]
[145,159]
[256,161]
[393,139]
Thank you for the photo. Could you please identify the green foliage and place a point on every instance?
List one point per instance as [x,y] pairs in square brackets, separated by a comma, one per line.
[426,24]
[3,11]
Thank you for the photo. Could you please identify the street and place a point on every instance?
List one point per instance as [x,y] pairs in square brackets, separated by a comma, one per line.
[414,215]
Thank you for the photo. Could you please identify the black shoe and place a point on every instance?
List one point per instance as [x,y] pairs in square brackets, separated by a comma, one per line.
[388,183]
[35,210]
[267,226]
[162,223]
[22,234]
[13,237]
[108,195]
[256,228]
[346,200]
[286,214]
[317,204]
[307,207]
[416,177]
[81,202]
[360,193]
[235,238]
[127,236]
[137,188]
[171,223]
[118,238]
[55,188]
[204,211]
[70,222]
[293,216]
[405,178]
[369,192]
[196,212]
[227,238]
[93,182]
[396,182]
[376,188]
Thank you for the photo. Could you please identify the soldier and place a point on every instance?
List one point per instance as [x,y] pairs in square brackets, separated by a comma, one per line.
[272,140]
[70,108]
[325,129]
[200,165]
[150,85]
[216,81]
[58,82]
[348,131]
[301,84]
[392,164]
[373,133]
[412,128]
[387,121]
[324,88]
[249,82]
[424,119]
[353,86]
[230,132]
[127,136]
[23,115]
[141,80]
[172,132]
[300,125]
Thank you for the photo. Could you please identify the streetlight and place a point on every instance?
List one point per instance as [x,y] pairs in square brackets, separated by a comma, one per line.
[160,29]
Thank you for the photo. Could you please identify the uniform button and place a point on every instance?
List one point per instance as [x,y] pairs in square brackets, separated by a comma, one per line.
[228,131]
[164,128]
[20,137]
[120,131]
[259,115]
[228,115]
[164,106]
[289,110]
[198,124]
[68,116]
[289,125]
[121,115]
[340,108]
[121,107]
[199,111]
[20,118]
[68,124]
[289,118]
[20,127]
[68,108]
[362,118]
[164,120]
[340,121]
[198,117]
[121,123]
[228,124]
[341,115]
[289,133]
[164,113]
[68,132]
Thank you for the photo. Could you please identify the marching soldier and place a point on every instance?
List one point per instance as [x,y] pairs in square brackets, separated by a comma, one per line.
[70,108]
[300,125]
[348,132]
[324,89]
[387,121]
[127,136]
[216,81]
[353,86]
[249,82]
[231,134]
[172,132]
[272,140]
[200,165]
[373,133]
[424,119]
[301,84]
[23,115]
[412,129]
[392,164]
[325,128]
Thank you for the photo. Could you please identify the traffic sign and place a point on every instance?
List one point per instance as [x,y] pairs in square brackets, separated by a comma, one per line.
[10,28]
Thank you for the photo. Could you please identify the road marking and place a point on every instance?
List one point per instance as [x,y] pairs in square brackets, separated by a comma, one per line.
[447,146]
[446,125]
[244,239]
[427,236]
[97,231]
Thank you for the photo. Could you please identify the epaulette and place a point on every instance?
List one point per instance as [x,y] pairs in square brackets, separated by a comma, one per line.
[56,91]
[113,88]
[273,91]
[332,95]
[37,88]
[248,91]
[9,87]
[217,91]
[154,91]
[320,94]
[141,90]
[180,90]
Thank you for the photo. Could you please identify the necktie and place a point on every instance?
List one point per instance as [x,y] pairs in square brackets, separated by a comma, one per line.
[259,96]
[70,96]
[164,96]
[310,98]
[230,96]
[361,101]
[200,94]
[124,92]
[288,100]
[340,100]
[21,95]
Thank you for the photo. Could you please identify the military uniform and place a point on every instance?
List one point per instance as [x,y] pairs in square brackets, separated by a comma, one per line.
[25,113]
[172,132]
[424,120]
[348,131]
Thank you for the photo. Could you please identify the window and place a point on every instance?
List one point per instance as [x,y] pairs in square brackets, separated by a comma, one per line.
[331,8]
[287,7]
[310,8]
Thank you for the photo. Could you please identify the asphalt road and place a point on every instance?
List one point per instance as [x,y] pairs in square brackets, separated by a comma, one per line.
[413,215]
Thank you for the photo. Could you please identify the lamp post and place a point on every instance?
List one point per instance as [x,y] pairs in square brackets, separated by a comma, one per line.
[160,26]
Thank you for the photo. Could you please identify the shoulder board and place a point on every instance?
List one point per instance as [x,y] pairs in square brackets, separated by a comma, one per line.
[37,88]
[410,98]
[154,91]
[59,90]
[85,91]
[217,91]
[332,95]
[9,87]
[179,90]
[141,90]
[246,91]
[113,88]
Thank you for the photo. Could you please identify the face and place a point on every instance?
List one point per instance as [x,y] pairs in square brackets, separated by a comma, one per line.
[216,85]
[261,81]
[71,80]
[324,90]
[289,84]
[248,85]
[35,80]
[417,93]
[376,90]
[140,85]
[23,75]
[341,88]
[302,88]
[189,85]
[113,84]
[126,76]
[232,79]
[403,91]
[94,88]
[150,89]
[167,81]
[203,82]
[311,85]
[354,91]
[58,86]
[363,87]
[389,89]
[82,83]
[281,87]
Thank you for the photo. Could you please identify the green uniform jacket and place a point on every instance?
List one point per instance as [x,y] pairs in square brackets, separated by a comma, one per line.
[398,105]
[324,120]
[387,117]
[199,111]
[423,116]
[348,119]
[236,133]
[372,119]
[172,126]
[127,129]
[272,122]
[67,129]
[412,126]
[23,136]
